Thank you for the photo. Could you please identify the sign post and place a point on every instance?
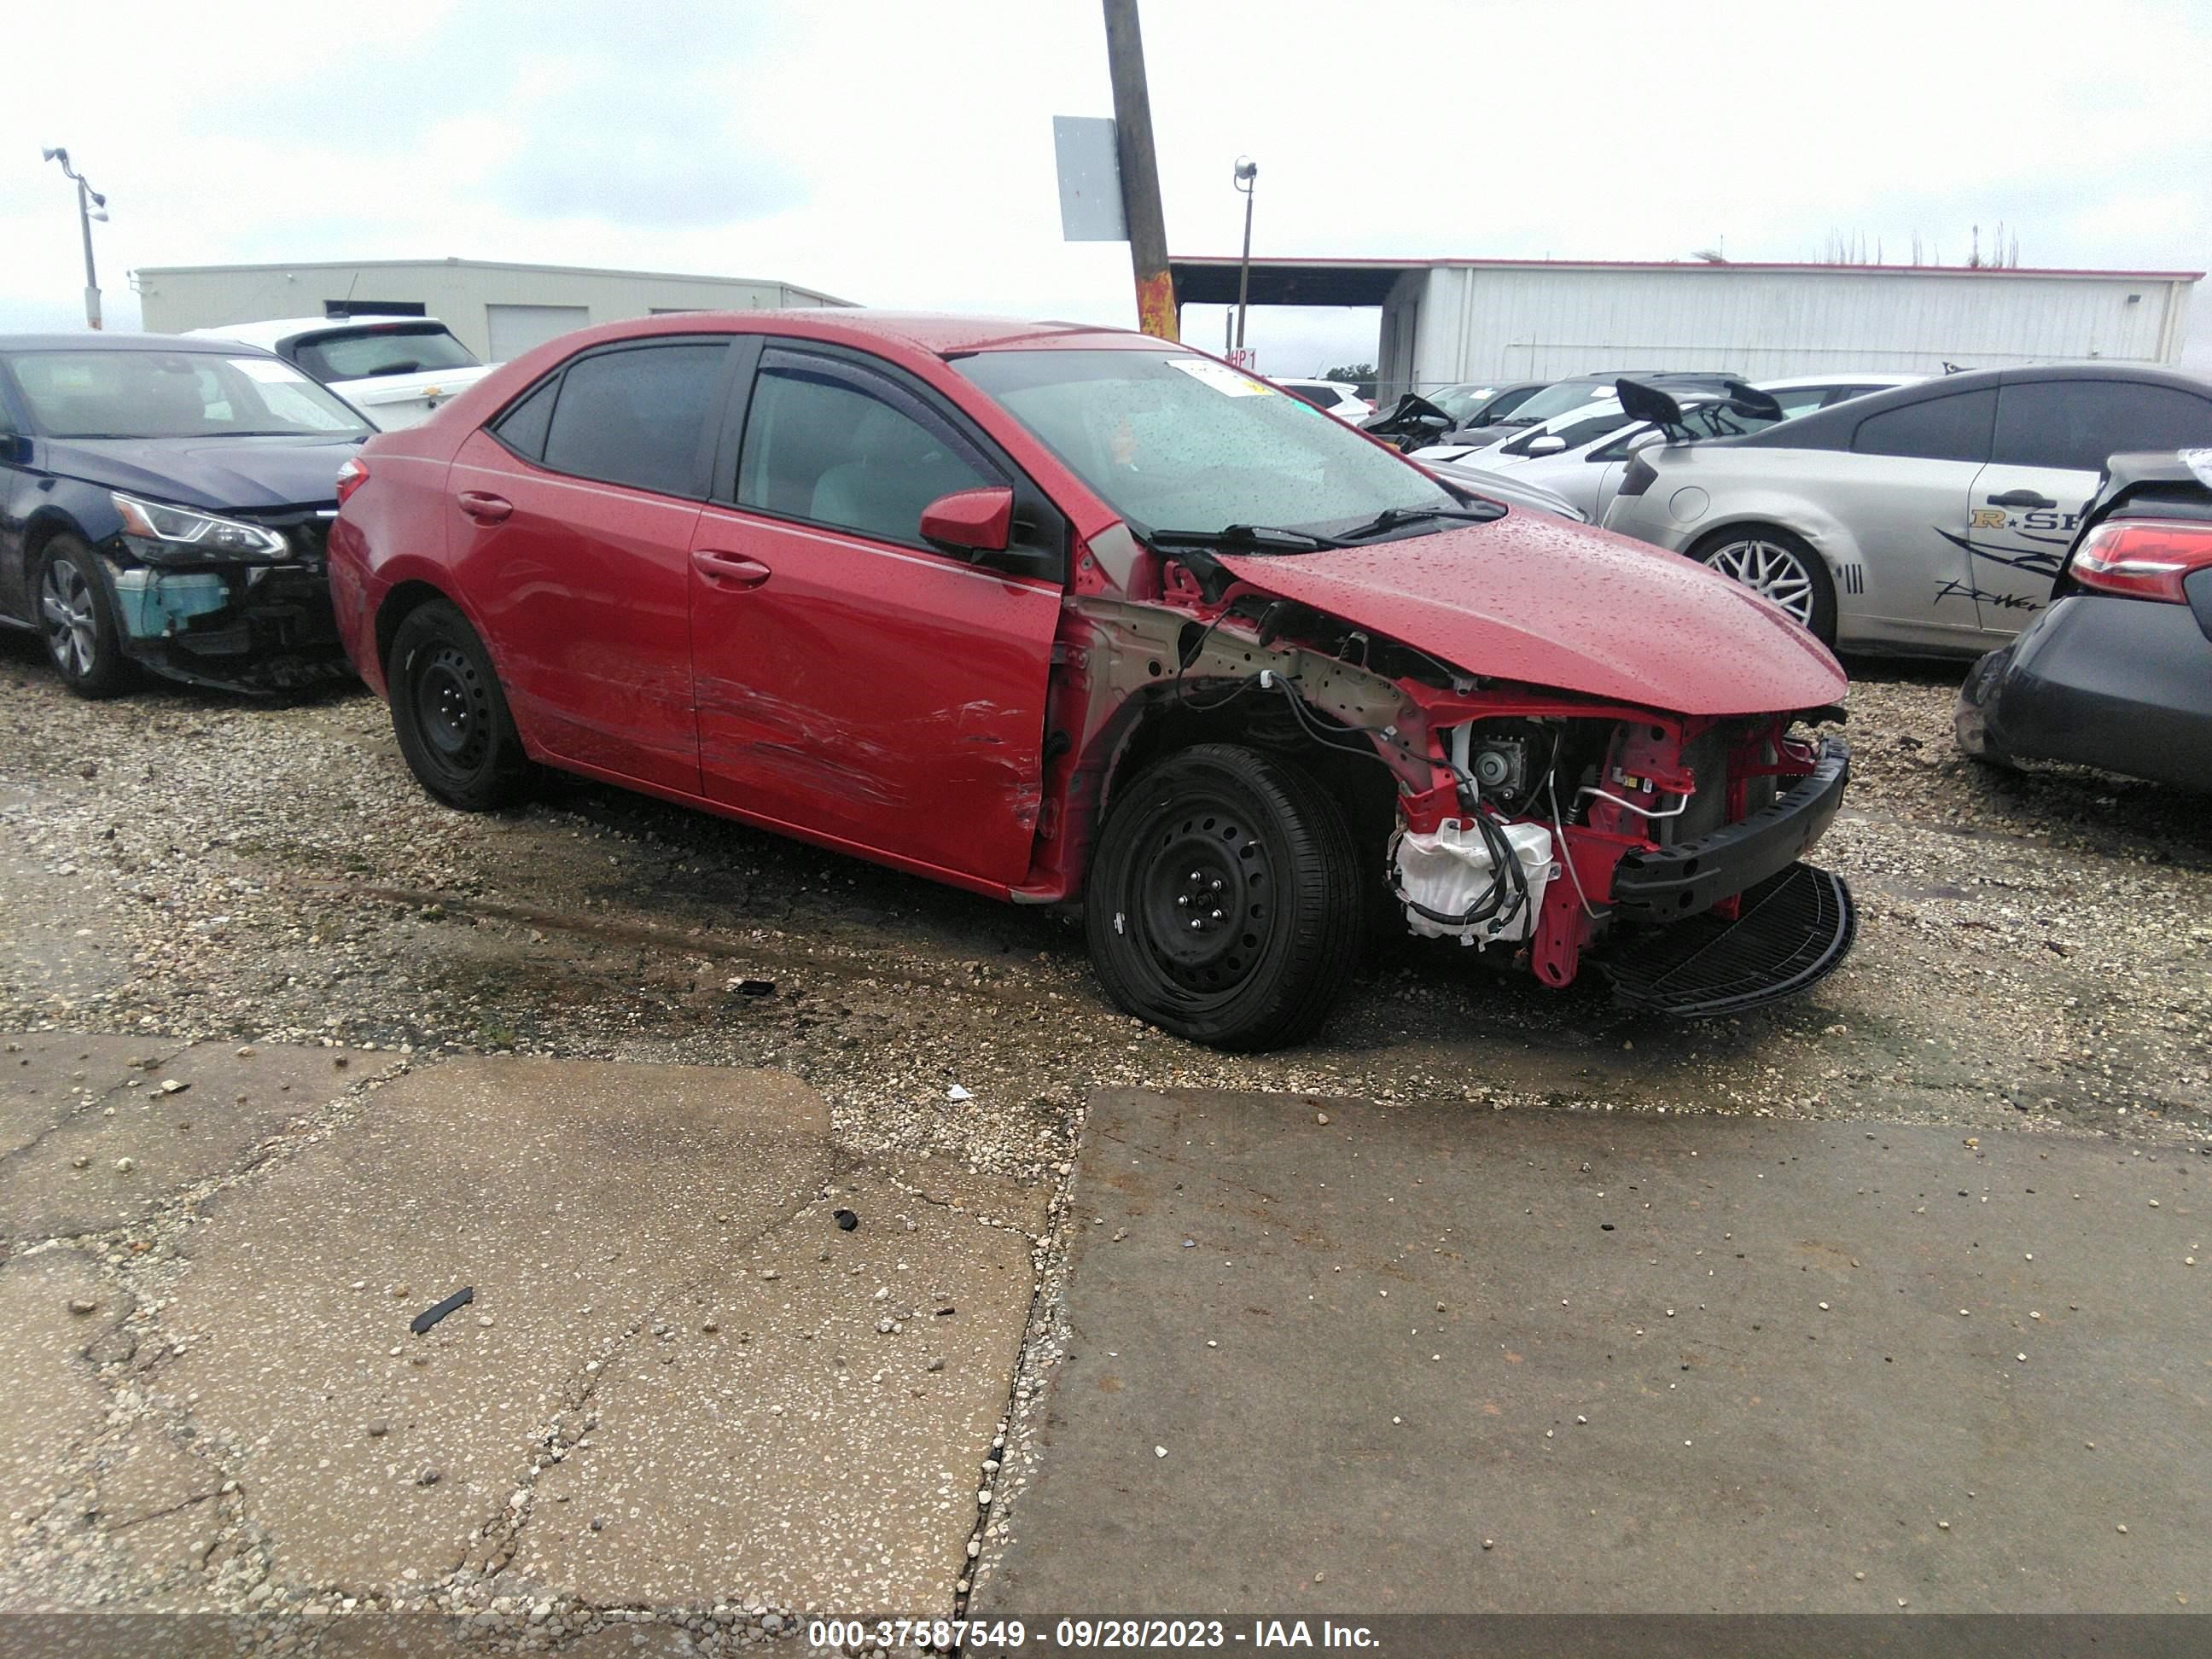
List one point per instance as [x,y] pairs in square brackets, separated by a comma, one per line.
[1140,175]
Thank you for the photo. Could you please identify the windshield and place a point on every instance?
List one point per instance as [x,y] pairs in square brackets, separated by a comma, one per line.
[1575,431]
[175,394]
[1559,400]
[388,348]
[1460,401]
[1170,440]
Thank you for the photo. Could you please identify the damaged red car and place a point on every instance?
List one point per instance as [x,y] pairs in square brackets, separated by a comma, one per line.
[1074,617]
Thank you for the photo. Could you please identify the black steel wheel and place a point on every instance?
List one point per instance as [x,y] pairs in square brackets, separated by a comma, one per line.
[75,620]
[1224,902]
[449,713]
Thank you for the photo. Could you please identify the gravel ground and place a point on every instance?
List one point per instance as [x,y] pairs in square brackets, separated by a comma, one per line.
[2032,950]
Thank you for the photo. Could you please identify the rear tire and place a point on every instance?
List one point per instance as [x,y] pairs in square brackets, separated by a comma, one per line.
[1777,566]
[449,713]
[76,622]
[1224,902]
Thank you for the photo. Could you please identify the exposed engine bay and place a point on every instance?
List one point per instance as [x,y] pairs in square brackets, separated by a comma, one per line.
[1526,824]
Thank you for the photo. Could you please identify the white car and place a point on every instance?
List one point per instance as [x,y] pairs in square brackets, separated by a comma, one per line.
[1584,455]
[393,369]
[1331,398]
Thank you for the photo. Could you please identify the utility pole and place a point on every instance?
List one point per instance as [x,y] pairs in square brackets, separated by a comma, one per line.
[90,205]
[1141,172]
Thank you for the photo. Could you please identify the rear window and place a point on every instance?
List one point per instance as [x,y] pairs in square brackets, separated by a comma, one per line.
[1954,428]
[637,416]
[396,350]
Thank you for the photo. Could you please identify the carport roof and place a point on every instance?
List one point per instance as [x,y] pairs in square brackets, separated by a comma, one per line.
[1211,279]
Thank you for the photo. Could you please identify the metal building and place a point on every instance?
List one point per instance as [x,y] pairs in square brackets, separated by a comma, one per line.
[498,311]
[1446,321]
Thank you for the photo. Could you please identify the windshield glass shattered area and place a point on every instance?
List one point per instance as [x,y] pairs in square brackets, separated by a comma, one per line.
[1173,440]
[164,394]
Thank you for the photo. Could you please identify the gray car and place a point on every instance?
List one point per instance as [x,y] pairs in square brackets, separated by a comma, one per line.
[1931,519]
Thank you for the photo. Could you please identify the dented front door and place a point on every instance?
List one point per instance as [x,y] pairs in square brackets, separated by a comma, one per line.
[854,685]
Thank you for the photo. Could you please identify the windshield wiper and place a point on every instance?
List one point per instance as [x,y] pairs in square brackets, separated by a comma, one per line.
[1390,518]
[1244,537]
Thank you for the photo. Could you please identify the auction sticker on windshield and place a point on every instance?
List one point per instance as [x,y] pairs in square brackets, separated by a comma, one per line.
[1222,378]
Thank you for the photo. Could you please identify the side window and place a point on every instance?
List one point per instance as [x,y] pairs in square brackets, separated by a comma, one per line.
[523,427]
[1952,428]
[2076,424]
[636,416]
[835,445]
[1627,444]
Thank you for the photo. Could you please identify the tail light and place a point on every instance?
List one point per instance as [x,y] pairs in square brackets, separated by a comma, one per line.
[351,476]
[2142,558]
[1639,477]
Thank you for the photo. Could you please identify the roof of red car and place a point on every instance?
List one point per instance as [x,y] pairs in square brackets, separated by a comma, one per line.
[943,332]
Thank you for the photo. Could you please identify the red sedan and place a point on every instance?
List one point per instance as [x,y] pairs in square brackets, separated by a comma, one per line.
[1072,615]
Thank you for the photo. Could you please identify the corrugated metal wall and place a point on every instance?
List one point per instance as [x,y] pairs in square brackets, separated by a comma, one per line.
[1475,322]
[459,293]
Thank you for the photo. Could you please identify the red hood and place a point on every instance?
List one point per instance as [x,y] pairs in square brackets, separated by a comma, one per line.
[1552,604]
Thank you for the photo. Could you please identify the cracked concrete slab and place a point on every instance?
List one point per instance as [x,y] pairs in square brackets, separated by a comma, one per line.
[53,1402]
[155,1499]
[809,1427]
[45,1076]
[572,1197]
[66,1171]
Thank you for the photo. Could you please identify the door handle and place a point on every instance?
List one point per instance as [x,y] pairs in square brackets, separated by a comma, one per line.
[2021,498]
[483,508]
[733,568]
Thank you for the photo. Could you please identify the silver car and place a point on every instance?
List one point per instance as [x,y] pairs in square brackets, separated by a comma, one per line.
[1584,455]
[1928,519]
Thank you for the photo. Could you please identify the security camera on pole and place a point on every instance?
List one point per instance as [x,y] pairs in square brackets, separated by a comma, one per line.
[1246,171]
[90,205]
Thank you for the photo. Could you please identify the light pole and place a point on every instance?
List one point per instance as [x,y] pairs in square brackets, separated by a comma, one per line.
[1246,171]
[90,205]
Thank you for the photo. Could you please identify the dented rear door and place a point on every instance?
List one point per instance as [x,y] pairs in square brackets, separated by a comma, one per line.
[853,684]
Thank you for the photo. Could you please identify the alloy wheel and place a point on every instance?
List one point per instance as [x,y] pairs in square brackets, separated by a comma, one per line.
[1769,570]
[67,618]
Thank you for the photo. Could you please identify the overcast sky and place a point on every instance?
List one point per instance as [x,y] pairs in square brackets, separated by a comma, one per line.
[901,155]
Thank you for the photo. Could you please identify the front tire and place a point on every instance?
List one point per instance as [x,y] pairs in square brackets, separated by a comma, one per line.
[1225,900]
[449,713]
[1777,566]
[75,620]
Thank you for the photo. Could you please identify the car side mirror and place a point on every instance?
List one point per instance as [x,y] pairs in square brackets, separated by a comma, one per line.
[1550,444]
[971,520]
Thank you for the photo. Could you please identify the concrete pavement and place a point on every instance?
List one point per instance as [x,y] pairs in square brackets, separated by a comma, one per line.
[680,1380]
[1427,1360]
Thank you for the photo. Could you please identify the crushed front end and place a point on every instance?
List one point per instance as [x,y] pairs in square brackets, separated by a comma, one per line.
[1541,827]
[1669,849]
[242,603]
